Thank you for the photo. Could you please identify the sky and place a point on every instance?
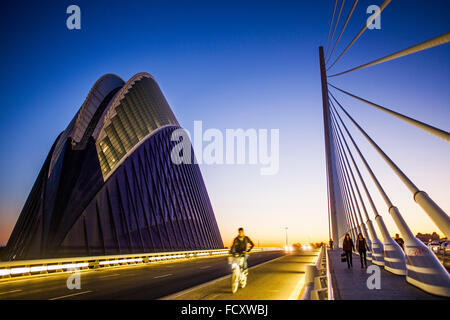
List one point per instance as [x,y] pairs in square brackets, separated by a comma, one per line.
[235,64]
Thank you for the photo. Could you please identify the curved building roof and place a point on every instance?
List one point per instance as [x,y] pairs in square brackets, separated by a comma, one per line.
[84,118]
[136,111]
[117,115]
[96,95]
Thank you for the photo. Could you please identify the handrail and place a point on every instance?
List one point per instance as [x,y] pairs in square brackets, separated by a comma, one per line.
[93,258]
[329,279]
[319,258]
[16,269]
[311,273]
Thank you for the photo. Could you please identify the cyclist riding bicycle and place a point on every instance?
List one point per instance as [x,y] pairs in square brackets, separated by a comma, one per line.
[241,246]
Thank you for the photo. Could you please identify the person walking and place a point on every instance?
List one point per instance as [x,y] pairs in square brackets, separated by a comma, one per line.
[362,247]
[347,245]
[399,241]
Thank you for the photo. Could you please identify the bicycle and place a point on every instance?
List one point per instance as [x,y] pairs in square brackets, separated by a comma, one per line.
[239,275]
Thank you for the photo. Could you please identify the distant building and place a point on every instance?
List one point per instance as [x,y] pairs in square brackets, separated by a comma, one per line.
[108,185]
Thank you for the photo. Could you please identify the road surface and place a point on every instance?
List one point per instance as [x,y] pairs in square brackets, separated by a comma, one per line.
[149,281]
[278,279]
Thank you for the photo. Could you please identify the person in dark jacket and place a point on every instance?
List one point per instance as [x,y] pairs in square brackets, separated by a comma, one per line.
[400,241]
[361,246]
[242,245]
[347,245]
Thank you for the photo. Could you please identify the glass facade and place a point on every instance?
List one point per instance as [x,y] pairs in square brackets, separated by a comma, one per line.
[140,111]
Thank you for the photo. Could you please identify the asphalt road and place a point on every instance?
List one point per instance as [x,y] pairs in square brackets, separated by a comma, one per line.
[279,279]
[133,282]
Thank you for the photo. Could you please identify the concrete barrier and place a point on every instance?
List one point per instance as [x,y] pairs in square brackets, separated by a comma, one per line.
[317,279]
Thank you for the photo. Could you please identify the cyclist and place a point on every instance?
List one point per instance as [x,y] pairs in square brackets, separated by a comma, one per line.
[242,245]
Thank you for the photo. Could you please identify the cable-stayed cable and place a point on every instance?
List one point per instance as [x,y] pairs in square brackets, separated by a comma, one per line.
[343,28]
[331,23]
[350,200]
[353,185]
[374,243]
[349,189]
[436,41]
[419,124]
[369,197]
[397,267]
[345,187]
[334,29]
[439,217]
[344,196]
[369,21]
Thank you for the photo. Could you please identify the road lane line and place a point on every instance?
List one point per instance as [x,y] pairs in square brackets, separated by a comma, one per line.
[70,295]
[163,276]
[6,292]
[205,267]
[183,292]
[295,294]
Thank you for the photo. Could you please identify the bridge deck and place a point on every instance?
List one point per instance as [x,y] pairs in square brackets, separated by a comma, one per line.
[145,281]
[350,284]
[279,279]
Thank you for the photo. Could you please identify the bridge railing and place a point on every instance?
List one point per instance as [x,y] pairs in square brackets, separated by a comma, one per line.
[347,209]
[330,288]
[317,279]
[10,270]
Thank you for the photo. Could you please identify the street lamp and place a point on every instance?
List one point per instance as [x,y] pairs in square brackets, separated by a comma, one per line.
[286,228]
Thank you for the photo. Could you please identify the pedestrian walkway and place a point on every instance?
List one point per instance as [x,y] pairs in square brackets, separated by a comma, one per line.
[350,284]
[279,279]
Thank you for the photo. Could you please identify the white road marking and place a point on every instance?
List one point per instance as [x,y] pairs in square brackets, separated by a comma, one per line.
[298,290]
[6,292]
[183,292]
[70,295]
[165,275]
[295,294]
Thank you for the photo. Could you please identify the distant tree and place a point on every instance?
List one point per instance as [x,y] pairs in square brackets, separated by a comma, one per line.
[427,237]
[316,245]
[296,246]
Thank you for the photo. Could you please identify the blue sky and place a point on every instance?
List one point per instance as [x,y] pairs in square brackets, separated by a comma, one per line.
[233,64]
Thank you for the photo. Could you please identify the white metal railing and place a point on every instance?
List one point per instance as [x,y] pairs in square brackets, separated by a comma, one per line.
[15,269]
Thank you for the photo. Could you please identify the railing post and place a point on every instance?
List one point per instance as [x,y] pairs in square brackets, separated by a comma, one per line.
[377,246]
[423,268]
[394,257]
